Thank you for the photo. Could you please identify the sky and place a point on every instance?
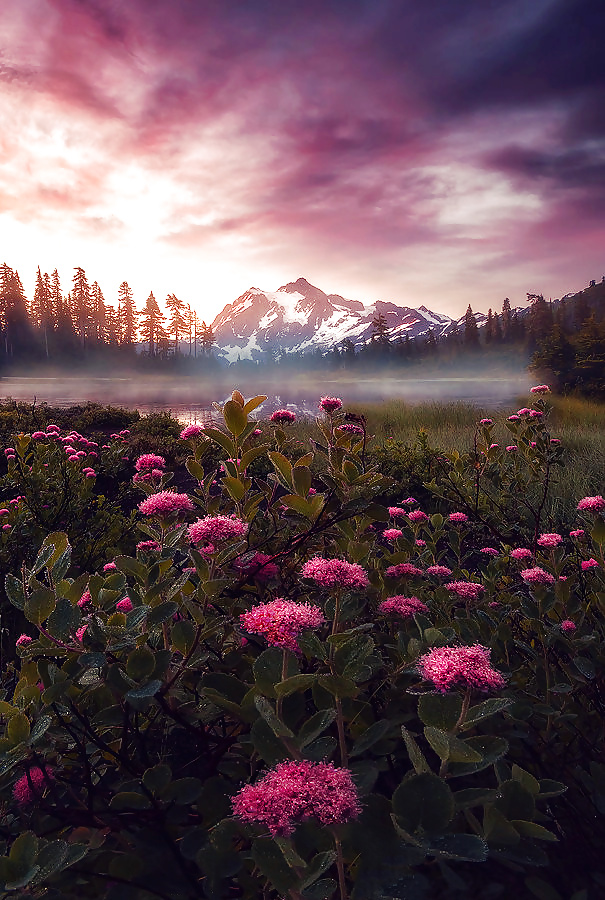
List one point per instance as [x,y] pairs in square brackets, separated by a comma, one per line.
[437,152]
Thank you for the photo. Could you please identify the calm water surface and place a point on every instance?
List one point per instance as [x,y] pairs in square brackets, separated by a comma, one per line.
[190,399]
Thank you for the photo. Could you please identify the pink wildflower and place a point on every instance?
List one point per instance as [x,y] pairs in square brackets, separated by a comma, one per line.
[330,404]
[568,626]
[258,567]
[578,533]
[350,428]
[165,503]
[6,527]
[23,640]
[535,414]
[513,418]
[391,534]
[335,573]
[521,553]
[457,518]
[417,515]
[80,632]
[536,575]
[396,512]
[31,785]
[533,444]
[523,412]
[283,417]
[592,504]
[441,571]
[420,543]
[406,607]
[53,428]
[84,599]
[466,590]
[38,435]
[281,621]
[213,529]
[555,441]
[293,792]
[540,389]
[589,564]
[409,501]
[110,567]
[449,667]
[4,512]
[403,570]
[486,422]
[512,448]
[149,461]
[493,446]
[124,605]
[149,546]
[489,551]
[192,431]
[549,541]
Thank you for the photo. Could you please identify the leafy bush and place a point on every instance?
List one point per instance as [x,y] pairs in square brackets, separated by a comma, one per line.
[291,691]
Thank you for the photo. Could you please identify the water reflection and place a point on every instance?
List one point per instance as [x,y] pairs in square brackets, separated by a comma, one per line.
[190,399]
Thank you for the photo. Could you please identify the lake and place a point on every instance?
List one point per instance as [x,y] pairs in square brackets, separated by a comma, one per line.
[190,399]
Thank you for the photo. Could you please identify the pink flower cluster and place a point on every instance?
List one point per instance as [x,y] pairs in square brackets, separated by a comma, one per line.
[148,461]
[396,512]
[417,515]
[440,571]
[330,404]
[466,590]
[124,605]
[192,431]
[549,541]
[258,567]
[335,573]
[486,422]
[283,417]
[148,546]
[31,785]
[536,575]
[521,553]
[165,503]
[23,640]
[281,621]
[592,504]
[489,551]
[450,667]
[589,564]
[214,529]
[568,626]
[403,570]
[540,389]
[406,607]
[457,518]
[391,534]
[293,792]
[578,533]
[350,428]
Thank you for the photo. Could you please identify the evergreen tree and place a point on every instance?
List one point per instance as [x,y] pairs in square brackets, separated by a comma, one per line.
[540,319]
[590,357]
[471,331]
[506,320]
[380,331]
[112,325]
[81,305]
[207,340]
[127,314]
[99,315]
[152,325]
[557,355]
[489,327]
[497,339]
[14,316]
[42,308]
[177,319]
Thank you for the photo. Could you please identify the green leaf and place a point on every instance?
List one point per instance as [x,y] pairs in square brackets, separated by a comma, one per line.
[446,746]
[267,669]
[162,613]
[64,619]
[39,605]
[462,847]
[550,788]
[140,663]
[270,860]
[533,830]
[487,708]
[470,797]
[182,635]
[269,748]
[219,437]
[59,541]
[129,800]
[490,749]
[130,566]
[18,728]
[283,467]
[298,504]
[314,726]
[44,554]
[157,778]
[141,697]
[253,403]
[294,684]
[235,488]
[14,591]
[183,791]
[498,829]
[23,853]
[302,480]
[423,801]
[235,417]
[528,781]
[40,728]
[318,865]
[279,728]
[416,755]
[514,801]
[194,468]
[338,686]
[370,736]
[440,710]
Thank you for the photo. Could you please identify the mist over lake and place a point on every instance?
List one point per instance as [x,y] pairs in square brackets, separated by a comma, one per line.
[190,398]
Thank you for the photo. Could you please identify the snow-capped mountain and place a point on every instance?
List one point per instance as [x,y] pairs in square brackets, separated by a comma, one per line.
[301,317]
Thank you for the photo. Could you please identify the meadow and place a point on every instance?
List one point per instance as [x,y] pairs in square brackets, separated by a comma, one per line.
[354,658]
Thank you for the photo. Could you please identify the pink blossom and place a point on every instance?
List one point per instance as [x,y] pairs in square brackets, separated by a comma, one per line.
[493,446]
[593,504]
[396,512]
[110,567]
[23,640]
[38,435]
[214,529]
[403,570]
[165,503]
[330,404]
[257,432]
[536,575]
[124,605]
[457,518]
[149,461]
[53,428]
[513,418]
[335,573]
[540,389]
[417,515]
[281,621]
[420,543]
[523,412]
[467,590]
[578,533]
[4,512]
[555,441]
[489,551]
[449,667]
[486,422]
[589,564]
[568,626]
[535,414]
[350,428]
[521,553]
[6,527]
[31,785]
[512,448]
[258,567]
[85,598]
[441,571]
[293,792]
[80,632]
[533,444]
[192,431]
[149,546]
[283,417]
[549,541]
[406,607]
[391,534]
[409,501]
[562,577]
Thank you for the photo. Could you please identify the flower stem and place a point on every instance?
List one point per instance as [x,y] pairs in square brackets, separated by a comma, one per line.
[340,866]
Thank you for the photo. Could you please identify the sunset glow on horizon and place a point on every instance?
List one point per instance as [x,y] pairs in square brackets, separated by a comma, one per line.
[431,153]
